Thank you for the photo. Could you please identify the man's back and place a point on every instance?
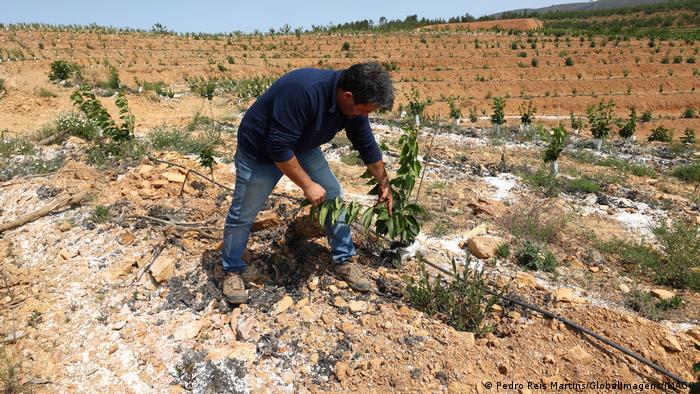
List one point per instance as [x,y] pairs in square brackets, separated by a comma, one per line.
[297,113]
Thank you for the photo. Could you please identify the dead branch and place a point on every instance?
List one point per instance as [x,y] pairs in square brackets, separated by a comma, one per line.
[59,202]
[204,231]
[156,252]
[50,139]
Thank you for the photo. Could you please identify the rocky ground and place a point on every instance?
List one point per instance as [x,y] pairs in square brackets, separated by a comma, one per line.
[121,293]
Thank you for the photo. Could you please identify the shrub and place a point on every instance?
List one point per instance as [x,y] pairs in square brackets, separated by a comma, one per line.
[688,173]
[100,214]
[73,123]
[473,117]
[646,117]
[690,60]
[534,62]
[461,302]
[569,62]
[689,113]
[345,47]
[660,133]
[63,70]
[45,93]
[540,222]
[648,306]
[499,116]
[628,129]
[677,59]
[231,60]
[532,256]
[176,139]
[599,118]
[688,136]
[680,246]
[415,105]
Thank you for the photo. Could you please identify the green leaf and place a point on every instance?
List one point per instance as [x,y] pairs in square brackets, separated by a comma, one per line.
[323,212]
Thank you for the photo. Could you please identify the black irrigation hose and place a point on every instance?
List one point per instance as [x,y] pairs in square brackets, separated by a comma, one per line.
[575,326]
[564,320]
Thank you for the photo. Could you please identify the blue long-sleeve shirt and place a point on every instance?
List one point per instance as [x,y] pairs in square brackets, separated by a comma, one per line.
[297,113]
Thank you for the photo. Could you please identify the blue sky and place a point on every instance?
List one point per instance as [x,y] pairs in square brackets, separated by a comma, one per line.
[213,16]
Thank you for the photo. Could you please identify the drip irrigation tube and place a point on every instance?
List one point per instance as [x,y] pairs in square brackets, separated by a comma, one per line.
[576,326]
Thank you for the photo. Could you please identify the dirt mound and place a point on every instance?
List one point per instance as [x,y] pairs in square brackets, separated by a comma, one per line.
[506,24]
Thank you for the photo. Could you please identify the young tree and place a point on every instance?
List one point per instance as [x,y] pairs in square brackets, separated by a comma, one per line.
[599,120]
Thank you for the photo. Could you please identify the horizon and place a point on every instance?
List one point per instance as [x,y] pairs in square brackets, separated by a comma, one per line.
[176,16]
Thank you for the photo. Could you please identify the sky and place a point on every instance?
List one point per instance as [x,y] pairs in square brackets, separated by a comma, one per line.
[221,16]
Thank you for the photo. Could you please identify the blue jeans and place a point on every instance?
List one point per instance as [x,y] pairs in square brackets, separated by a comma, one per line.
[254,183]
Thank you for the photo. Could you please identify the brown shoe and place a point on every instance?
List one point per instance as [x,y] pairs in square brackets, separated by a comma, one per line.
[234,288]
[351,272]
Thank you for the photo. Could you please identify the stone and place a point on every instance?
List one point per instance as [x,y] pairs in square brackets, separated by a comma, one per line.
[564,294]
[514,315]
[74,142]
[662,294]
[282,305]
[163,268]
[159,183]
[174,177]
[220,353]
[341,371]
[244,351]
[266,220]
[302,303]
[694,333]
[306,313]
[670,343]
[357,306]
[577,355]
[65,254]
[526,280]
[246,329]
[488,207]
[116,326]
[65,225]
[188,331]
[144,169]
[478,230]
[313,283]
[467,338]
[375,363]
[484,246]
[125,238]
[347,327]
[624,288]
[339,302]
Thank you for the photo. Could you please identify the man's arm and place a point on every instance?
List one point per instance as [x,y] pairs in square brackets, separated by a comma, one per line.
[378,171]
[313,192]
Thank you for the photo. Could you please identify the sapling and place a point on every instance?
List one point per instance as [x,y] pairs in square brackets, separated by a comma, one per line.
[576,122]
[599,120]
[499,117]
[455,112]
[401,225]
[628,129]
[527,112]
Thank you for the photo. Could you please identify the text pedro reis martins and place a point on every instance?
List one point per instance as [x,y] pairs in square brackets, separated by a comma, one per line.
[582,386]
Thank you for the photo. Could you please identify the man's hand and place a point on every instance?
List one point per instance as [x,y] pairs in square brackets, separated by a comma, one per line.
[385,195]
[315,193]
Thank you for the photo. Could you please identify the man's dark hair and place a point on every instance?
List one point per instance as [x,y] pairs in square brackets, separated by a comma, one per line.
[368,83]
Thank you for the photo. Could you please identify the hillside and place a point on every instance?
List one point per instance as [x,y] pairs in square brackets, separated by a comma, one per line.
[581,6]
[111,235]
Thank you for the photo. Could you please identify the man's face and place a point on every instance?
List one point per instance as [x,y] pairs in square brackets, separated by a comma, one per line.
[350,109]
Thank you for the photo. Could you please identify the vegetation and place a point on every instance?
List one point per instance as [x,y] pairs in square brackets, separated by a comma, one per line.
[628,129]
[688,136]
[646,117]
[599,119]
[63,70]
[416,106]
[402,225]
[532,256]
[557,142]
[576,122]
[527,112]
[689,113]
[648,306]
[660,133]
[498,117]
[461,302]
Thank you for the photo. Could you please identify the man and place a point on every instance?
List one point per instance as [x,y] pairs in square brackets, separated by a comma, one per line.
[280,135]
